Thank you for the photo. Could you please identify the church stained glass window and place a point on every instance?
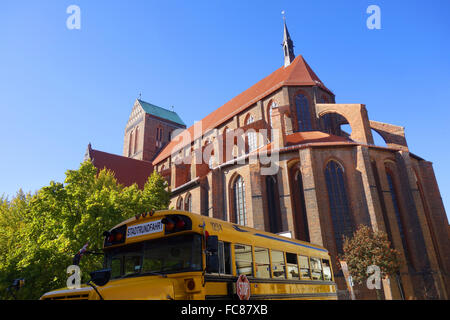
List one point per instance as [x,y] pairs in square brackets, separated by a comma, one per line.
[303,113]
[188,203]
[179,203]
[251,135]
[397,212]
[339,207]
[240,212]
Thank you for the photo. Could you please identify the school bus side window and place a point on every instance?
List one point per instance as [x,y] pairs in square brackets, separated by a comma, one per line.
[316,269]
[326,270]
[262,263]
[244,259]
[292,266]
[303,262]
[278,264]
[224,258]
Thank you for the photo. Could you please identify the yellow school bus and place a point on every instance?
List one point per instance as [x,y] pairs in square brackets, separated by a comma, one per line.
[175,254]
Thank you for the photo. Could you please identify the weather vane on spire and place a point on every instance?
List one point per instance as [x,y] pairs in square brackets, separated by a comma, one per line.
[284,17]
[140,96]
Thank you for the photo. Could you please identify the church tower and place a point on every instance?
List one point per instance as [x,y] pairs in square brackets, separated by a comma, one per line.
[148,130]
[288,47]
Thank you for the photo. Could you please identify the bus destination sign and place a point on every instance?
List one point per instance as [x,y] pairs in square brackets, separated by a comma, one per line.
[145,228]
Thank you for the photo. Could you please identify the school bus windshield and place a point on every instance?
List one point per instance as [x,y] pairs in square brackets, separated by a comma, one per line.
[166,255]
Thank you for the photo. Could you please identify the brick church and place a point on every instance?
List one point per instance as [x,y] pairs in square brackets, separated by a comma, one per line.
[278,157]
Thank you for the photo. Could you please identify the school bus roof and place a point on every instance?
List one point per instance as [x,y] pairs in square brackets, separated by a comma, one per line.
[234,233]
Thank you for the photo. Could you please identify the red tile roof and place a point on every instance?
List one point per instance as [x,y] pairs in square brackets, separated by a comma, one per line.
[299,73]
[313,137]
[126,170]
[316,138]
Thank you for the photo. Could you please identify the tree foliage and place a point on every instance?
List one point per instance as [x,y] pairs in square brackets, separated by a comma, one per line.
[367,248]
[40,233]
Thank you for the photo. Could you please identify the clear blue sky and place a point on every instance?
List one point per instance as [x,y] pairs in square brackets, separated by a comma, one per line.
[61,89]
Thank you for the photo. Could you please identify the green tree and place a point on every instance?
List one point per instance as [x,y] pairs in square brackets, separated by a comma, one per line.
[40,234]
[156,193]
[367,248]
[11,225]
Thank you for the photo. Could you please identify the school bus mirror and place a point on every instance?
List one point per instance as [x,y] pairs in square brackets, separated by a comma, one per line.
[212,244]
[101,277]
[212,263]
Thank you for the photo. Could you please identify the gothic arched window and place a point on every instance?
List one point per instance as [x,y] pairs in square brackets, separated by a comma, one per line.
[211,161]
[131,145]
[240,210]
[327,121]
[303,215]
[136,139]
[159,134]
[180,203]
[398,215]
[271,106]
[382,202]
[339,208]
[252,140]
[273,205]
[188,203]
[251,135]
[303,113]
